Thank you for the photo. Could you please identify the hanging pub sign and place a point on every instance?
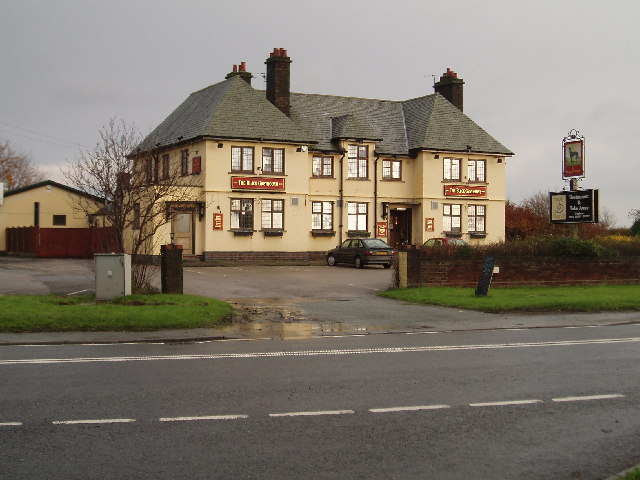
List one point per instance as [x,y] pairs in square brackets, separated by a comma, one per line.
[257,183]
[573,155]
[579,206]
[381,229]
[429,224]
[217,221]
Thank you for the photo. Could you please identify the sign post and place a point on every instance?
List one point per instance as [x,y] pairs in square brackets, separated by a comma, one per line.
[573,205]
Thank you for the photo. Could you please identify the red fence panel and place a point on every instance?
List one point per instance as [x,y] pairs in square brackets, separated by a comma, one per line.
[61,242]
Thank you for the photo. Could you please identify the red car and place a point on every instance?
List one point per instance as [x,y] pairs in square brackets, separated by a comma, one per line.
[438,242]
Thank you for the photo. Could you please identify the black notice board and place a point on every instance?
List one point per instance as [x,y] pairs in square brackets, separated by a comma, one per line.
[484,282]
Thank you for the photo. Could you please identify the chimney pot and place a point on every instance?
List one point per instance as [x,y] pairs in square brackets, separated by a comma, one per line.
[243,66]
[278,79]
[235,69]
[451,88]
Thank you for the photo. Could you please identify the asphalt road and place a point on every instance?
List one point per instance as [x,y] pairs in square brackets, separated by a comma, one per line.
[526,404]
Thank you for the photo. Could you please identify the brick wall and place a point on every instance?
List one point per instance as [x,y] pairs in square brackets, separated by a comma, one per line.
[264,258]
[430,271]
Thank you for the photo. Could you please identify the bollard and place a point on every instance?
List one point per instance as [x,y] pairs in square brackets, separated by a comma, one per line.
[171,268]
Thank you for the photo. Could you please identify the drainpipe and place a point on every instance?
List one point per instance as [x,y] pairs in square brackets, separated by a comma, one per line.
[341,198]
[375,194]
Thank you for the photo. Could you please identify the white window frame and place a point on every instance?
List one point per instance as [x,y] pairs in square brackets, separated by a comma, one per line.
[477,218]
[358,162]
[452,217]
[357,213]
[272,214]
[451,169]
[477,171]
[391,169]
[322,215]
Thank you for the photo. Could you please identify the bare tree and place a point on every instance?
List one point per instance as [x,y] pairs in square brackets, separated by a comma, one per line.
[537,203]
[16,169]
[135,188]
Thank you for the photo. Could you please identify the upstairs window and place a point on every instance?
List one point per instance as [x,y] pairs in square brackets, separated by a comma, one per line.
[452,169]
[477,171]
[358,162]
[242,159]
[59,220]
[165,167]
[322,167]
[391,170]
[184,166]
[273,160]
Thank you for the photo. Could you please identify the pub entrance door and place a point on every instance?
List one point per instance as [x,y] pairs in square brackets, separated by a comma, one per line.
[399,227]
[183,231]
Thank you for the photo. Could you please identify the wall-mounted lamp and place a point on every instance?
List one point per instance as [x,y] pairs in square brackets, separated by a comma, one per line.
[436,156]
[220,145]
[171,237]
[499,160]
[302,148]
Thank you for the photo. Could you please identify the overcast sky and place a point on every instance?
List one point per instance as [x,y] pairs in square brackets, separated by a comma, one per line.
[532,70]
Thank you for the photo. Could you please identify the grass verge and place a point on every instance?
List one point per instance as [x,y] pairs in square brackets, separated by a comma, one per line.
[49,313]
[533,299]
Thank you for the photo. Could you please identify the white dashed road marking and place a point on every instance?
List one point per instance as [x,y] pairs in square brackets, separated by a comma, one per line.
[587,398]
[313,414]
[505,403]
[94,422]
[11,424]
[208,417]
[408,409]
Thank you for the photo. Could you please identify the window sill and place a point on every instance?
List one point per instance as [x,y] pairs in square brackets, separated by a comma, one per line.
[242,233]
[453,234]
[477,234]
[323,233]
[399,180]
[358,233]
[273,233]
[322,177]
[359,179]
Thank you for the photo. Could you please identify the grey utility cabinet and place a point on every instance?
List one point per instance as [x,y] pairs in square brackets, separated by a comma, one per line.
[113,275]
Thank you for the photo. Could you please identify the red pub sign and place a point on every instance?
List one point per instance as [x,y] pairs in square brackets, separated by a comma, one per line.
[257,183]
[217,221]
[465,191]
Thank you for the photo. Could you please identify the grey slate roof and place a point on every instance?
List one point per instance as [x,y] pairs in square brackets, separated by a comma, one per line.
[229,109]
[233,109]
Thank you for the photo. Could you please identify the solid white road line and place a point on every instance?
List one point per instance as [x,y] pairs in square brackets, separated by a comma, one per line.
[313,414]
[310,353]
[505,403]
[588,397]
[93,422]
[408,409]
[206,417]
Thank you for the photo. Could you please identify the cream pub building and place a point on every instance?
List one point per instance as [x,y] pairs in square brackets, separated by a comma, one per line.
[288,175]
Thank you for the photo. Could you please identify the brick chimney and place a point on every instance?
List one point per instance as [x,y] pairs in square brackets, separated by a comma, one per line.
[240,71]
[450,87]
[278,79]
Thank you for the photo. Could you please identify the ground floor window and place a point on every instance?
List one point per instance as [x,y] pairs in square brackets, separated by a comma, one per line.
[242,213]
[322,215]
[357,216]
[59,220]
[476,217]
[272,214]
[451,220]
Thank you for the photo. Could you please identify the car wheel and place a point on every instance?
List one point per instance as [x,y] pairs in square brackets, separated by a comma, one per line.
[358,262]
[387,265]
[331,261]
